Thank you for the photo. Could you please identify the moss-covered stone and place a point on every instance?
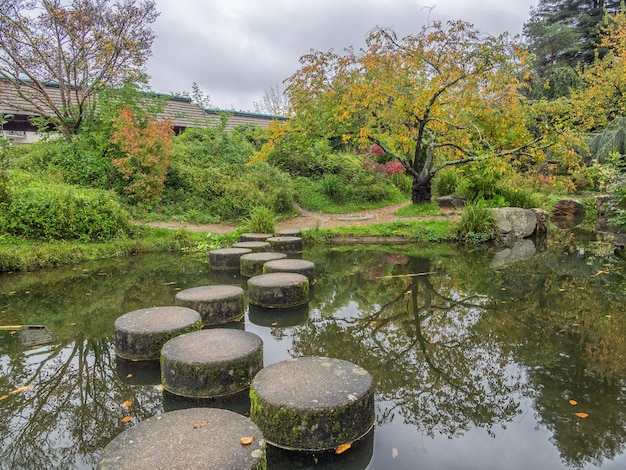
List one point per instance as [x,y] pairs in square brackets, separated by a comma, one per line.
[192,438]
[278,290]
[140,335]
[211,363]
[312,403]
[252,264]
[216,304]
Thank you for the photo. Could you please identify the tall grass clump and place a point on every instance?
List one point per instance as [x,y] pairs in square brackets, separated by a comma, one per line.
[476,224]
[260,220]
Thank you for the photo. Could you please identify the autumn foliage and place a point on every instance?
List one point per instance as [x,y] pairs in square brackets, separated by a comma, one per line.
[145,146]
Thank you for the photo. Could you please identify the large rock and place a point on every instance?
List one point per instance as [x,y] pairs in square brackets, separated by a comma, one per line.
[451,202]
[513,223]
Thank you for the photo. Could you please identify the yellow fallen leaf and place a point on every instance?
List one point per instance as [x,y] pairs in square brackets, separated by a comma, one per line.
[432,341]
[274,323]
[246,441]
[4,397]
[12,332]
[394,453]
[37,346]
[573,402]
[581,415]
[158,388]
[21,389]
[126,419]
[342,448]
[128,376]
[72,324]
[127,403]
[200,424]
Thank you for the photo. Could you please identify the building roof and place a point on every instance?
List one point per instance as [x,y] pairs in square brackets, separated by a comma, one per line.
[180,110]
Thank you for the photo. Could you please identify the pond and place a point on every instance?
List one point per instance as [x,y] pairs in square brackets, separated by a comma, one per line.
[477,363]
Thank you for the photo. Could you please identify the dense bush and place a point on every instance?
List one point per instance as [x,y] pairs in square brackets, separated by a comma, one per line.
[37,209]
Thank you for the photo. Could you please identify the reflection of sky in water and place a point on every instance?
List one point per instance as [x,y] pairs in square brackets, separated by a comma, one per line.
[74,407]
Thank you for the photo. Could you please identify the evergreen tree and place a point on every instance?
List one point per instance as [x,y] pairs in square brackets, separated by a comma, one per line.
[563,34]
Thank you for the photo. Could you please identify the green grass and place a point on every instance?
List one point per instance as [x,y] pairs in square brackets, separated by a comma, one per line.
[420,210]
[423,231]
[17,254]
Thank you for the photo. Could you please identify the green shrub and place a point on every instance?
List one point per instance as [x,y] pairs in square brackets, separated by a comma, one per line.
[476,223]
[261,220]
[57,211]
[446,182]
[333,187]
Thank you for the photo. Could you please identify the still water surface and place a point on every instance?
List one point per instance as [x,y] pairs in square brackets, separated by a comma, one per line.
[476,364]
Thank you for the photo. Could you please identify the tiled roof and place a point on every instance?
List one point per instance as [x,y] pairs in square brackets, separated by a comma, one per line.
[180,110]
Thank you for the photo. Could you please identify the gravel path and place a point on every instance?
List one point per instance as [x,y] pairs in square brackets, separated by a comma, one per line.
[308,220]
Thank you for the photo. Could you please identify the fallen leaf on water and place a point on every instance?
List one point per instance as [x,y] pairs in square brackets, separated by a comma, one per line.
[274,323]
[37,346]
[573,402]
[21,389]
[11,293]
[200,424]
[581,415]
[159,388]
[394,453]
[126,419]
[245,441]
[127,403]
[342,448]
[432,341]
[4,397]
[72,324]
[129,376]
[12,332]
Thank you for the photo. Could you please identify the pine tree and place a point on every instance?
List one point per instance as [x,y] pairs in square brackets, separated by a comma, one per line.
[563,34]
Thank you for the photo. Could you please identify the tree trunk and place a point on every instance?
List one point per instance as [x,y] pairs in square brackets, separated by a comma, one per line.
[420,190]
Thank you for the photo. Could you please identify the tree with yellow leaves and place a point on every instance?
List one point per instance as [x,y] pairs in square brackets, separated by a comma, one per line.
[448,95]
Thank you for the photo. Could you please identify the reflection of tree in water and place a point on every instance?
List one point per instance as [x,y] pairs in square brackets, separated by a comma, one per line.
[566,311]
[73,409]
[433,361]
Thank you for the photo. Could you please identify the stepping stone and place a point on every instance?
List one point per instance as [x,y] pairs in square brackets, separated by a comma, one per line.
[252,263]
[254,237]
[254,246]
[300,266]
[285,244]
[216,304]
[139,335]
[211,363]
[288,233]
[197,438]
[312,403]
[226,259]
[278,290]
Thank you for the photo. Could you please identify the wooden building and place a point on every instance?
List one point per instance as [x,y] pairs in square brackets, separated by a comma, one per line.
[18,128]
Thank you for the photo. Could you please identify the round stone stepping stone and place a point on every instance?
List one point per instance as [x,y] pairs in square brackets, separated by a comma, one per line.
[288,233]
[278,290]
[226,259]
[139,335]
[211,363]
[254,237]
[197,438]
[300,266]
[312,403]
[252,263]
[216,304]
[255,247]
[285,244]
[278,317]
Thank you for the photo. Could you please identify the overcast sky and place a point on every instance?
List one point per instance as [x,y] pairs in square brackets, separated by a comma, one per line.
[236,49]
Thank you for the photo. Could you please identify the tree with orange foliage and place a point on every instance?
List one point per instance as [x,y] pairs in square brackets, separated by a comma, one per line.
[145,145]
[448,95]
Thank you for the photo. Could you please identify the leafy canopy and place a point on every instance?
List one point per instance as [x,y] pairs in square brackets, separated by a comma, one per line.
[445,96]
[57,54]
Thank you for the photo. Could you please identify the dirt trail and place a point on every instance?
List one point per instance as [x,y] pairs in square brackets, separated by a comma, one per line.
[308,219]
